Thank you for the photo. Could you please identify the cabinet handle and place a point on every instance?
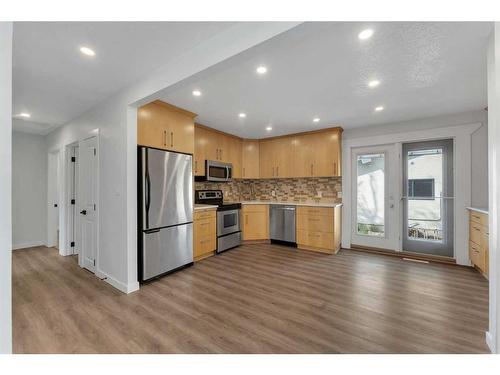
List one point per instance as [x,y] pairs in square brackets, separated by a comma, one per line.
[217,154]
[196,166]
[312,219]
[246,219]
[335,168]
[277,171]
[165,138]
[273,171]
[171,139]
[243,171]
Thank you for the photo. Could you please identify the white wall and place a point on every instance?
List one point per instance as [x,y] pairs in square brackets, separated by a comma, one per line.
[479,143]
[493,63]
[5,187]
[29,192]
[116,120]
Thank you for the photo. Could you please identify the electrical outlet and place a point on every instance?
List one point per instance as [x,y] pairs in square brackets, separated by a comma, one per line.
[319,194]
[339,194]
[273,193]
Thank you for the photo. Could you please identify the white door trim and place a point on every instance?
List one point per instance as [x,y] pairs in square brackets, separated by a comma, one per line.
[462,164]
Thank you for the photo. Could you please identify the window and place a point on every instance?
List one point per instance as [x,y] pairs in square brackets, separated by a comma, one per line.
[422,188]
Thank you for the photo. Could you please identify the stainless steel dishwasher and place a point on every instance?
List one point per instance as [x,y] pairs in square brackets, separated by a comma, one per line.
[282,223]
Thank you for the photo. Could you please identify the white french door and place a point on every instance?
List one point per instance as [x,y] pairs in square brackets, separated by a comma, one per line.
[375,197]
[87,203]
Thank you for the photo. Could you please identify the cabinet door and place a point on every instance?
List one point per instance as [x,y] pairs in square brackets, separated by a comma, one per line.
[200,150]
[283,157]
[181,132]
[326,153]
[234,155]
[486,250]
[250,159]
[266,159]
[215,144]
[255,222]
[151,127]
[164,126]
[302,157]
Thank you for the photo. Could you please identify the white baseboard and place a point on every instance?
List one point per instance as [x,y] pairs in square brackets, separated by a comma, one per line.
[490,342]
[27,245]
[127,289]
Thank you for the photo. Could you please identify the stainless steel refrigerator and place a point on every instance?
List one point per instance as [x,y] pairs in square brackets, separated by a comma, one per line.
[165,212]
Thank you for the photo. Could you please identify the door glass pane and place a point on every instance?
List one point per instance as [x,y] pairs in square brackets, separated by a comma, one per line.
[371,194]
[425,190]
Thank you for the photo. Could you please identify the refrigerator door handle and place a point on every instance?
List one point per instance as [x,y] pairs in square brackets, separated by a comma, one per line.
[148,194]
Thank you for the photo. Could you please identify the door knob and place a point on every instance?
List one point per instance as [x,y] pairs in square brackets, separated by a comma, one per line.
[83,212]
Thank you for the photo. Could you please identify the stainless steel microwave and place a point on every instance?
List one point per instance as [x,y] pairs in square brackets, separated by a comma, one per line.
[216,171]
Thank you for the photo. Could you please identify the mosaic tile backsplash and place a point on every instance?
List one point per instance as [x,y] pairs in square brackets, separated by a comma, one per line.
[316,189]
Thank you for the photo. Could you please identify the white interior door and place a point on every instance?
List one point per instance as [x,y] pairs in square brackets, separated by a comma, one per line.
[87,203]
[53,200]
[375,197]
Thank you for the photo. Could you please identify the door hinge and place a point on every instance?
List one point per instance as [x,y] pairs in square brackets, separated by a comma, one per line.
[73,201]
[94,207]
[72,244]
[95,152]
[73,159]
[94,262]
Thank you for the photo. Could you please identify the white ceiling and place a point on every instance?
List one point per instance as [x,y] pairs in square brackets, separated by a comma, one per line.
[322,69]
[55,83]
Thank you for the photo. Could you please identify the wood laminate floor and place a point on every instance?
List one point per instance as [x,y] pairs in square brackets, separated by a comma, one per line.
[254,299]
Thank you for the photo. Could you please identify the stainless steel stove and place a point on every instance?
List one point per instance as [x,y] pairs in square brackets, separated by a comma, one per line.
[228,218]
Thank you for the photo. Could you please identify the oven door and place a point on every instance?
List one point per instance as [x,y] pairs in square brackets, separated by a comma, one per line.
[217,171]
[228,222]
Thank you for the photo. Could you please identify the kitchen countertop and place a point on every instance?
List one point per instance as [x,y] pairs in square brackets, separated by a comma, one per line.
[201,207]
[313,204]
[479,209]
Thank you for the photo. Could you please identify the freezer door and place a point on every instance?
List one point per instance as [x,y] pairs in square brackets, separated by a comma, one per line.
[166,249]
[168,189]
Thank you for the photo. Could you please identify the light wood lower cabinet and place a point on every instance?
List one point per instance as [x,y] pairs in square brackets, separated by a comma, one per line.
[479,241]
[319,228]
[205,234]
[255,222]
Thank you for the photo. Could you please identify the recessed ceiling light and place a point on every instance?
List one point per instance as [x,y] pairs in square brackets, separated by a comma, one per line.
[374,83]
[379,108]
[242,115]
[365,34]
[87,51]
[196,93]
[269,128]
[262,70]
[23,114]
[316,119]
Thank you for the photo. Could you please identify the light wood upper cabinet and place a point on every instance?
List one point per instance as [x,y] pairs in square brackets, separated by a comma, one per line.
[232,153]
[276,157]
[164,126]
[317,154]
[250,159]
[266,158]
[218,146]
[313,154]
